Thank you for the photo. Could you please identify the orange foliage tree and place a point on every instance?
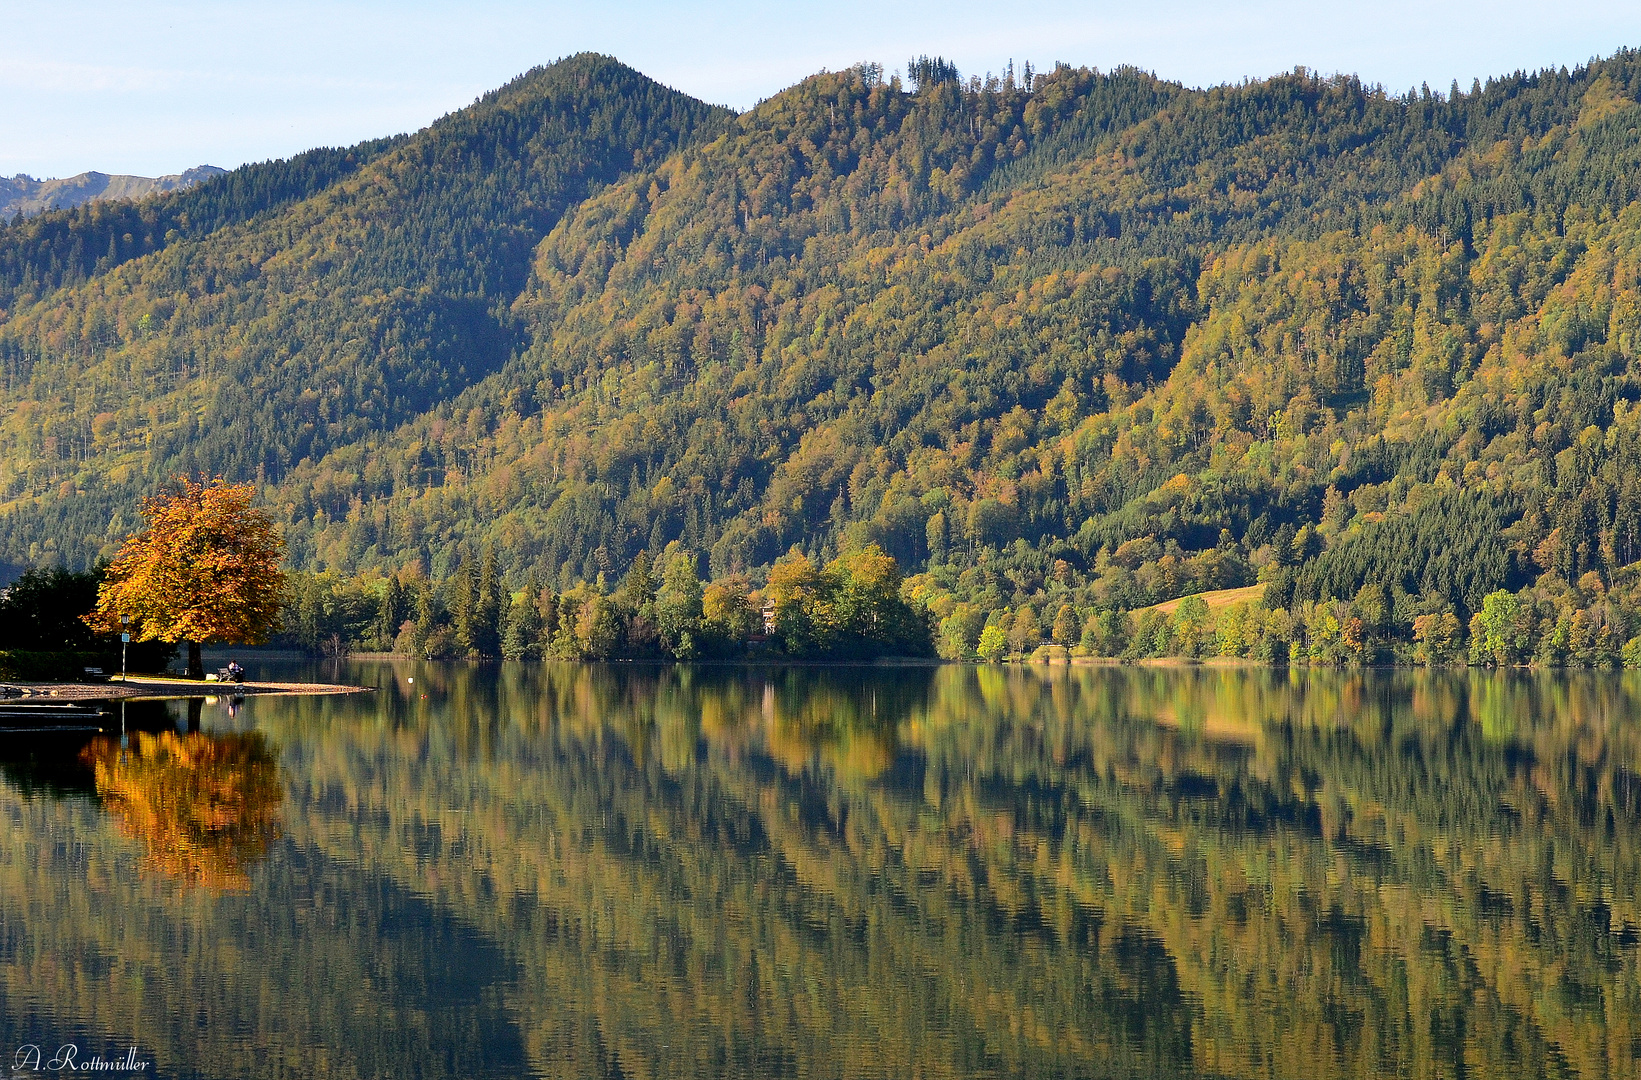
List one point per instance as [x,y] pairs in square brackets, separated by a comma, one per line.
[206,568]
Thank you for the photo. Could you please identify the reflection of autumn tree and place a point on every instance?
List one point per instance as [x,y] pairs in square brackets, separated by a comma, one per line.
[204,806]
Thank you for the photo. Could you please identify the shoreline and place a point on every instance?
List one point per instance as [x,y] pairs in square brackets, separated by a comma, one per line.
[117,689]
[1049,661]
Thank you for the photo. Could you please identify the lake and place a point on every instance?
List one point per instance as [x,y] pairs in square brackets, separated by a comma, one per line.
[603,871]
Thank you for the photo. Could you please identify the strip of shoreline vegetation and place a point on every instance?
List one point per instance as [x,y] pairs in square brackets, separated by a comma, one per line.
[860,607]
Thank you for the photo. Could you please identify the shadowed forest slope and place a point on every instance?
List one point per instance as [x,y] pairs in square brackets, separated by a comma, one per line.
[319,301]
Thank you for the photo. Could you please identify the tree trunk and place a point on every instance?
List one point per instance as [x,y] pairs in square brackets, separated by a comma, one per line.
[196,666]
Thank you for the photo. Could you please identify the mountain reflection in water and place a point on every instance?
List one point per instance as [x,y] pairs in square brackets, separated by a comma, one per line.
[600,871]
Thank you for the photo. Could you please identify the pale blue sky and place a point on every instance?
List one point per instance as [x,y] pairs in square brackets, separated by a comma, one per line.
[149,88]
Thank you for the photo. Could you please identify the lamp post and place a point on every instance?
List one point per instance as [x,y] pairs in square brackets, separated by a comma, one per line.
[125,639]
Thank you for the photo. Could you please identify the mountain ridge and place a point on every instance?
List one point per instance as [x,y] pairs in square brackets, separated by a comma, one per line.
[26,196]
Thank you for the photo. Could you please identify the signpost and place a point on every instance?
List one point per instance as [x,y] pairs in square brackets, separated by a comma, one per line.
[125,639]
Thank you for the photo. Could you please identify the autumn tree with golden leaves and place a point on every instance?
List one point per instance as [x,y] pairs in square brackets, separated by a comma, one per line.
[204,569]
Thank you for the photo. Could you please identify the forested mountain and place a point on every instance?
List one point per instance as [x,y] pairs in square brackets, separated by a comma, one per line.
[1065,345]
[321,299]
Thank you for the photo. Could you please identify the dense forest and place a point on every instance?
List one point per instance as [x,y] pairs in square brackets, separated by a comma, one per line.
[1062,345]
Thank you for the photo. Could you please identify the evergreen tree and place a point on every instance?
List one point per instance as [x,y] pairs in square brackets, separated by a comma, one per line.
[394,611]
[523,625]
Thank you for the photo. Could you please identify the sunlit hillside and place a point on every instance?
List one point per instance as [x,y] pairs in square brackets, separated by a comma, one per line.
[1082,337]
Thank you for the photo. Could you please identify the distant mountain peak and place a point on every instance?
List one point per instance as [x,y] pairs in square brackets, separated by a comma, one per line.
[22,194]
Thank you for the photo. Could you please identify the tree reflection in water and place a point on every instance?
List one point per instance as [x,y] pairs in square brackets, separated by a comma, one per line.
[583,870]
[204,806]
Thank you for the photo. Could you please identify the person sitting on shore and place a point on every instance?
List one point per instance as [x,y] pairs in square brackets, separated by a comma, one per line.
[235,672]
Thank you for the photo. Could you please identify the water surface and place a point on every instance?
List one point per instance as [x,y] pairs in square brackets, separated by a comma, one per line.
[581,871]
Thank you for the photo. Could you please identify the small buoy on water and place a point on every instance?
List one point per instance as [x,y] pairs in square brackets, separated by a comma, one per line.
[410,681]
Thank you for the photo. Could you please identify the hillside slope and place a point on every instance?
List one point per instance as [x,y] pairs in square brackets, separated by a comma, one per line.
[1097,343]
[281,334]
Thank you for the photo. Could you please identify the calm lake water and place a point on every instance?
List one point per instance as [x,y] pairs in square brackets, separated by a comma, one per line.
[575,871]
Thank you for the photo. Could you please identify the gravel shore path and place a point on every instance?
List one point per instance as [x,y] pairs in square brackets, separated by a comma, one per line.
[149,688]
